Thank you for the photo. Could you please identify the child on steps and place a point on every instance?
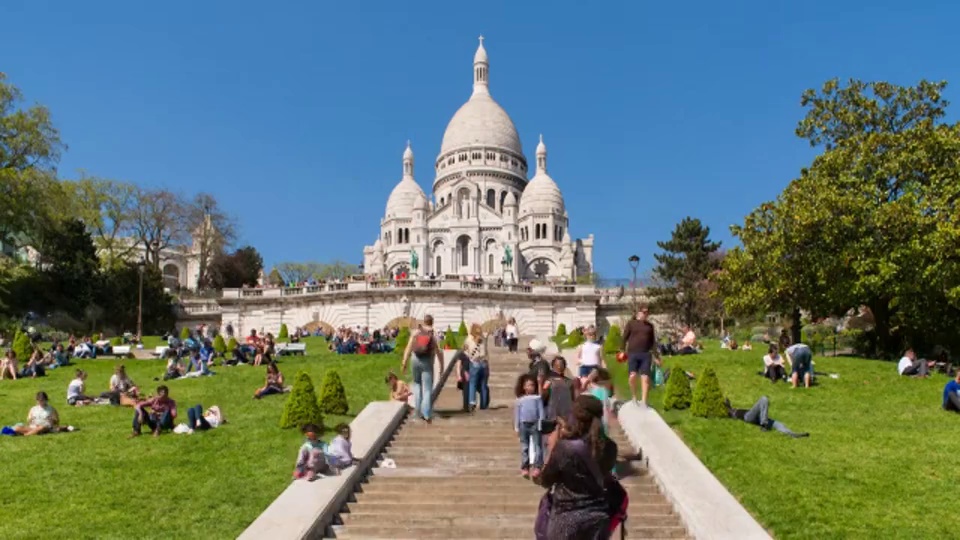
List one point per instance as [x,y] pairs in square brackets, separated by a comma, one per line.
[528,414]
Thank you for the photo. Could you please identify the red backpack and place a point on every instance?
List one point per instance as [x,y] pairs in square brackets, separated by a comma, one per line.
[423,343]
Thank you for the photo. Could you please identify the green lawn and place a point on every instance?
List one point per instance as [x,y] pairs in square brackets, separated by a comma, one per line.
[879,462]
[95,483]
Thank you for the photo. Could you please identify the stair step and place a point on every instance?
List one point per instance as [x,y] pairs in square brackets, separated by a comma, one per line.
[459,508]
[525,532]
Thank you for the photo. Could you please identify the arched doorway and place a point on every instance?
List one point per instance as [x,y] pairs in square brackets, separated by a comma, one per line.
[463,251]
[171,276]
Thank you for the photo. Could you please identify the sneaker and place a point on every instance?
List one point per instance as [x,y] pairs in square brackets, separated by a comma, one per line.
[71,428]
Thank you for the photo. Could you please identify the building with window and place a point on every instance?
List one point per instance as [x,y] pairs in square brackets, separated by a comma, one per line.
[484,217]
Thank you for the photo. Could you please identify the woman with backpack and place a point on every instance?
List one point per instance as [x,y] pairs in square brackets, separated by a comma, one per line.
[423,347]
[584,501]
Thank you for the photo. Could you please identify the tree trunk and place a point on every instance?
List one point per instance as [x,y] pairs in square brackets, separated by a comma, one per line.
[887,343]
[796,326]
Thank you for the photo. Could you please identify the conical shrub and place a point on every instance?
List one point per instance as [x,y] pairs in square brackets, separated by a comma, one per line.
[561,332]
[333,396]
[403,338]
[575,339]
[612,343]
[232,344]
[284,333]
[219,345]
[707,396]
[301,406]
[184,333]
[678,393]
[449,339]
[22,347]
[462,331]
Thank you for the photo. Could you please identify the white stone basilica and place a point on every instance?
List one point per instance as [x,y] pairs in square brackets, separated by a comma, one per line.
[484,212]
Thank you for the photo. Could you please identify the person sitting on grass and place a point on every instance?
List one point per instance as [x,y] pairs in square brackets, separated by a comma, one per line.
[399,391]
[56,358]
[8,366]
[801,363]
[42,418]
[122,389]
[311,460]
[747,346]
[162,413]
[910,366]
[340,453]
[951,394]
[75,389]
[758,415]
[273,383]
[774,367]
[34,367]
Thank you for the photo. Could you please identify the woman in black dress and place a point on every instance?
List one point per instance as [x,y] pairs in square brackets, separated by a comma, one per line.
[577,467]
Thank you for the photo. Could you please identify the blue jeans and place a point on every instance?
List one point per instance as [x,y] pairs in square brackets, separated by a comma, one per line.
[423,386]
[528,430]
[197,421]
[479,373]
[153,421]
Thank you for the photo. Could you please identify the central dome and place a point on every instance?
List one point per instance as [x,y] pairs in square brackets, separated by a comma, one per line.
[481,121]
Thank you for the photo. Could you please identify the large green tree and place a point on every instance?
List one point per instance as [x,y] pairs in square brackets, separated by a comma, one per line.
[237,269]
[872,222]
[687,260]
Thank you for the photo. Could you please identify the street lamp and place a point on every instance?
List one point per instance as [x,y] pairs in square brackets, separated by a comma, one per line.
[141,265]
[634,263]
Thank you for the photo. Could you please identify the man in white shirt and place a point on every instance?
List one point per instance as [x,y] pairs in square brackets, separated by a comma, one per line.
[909,366]
[688,342]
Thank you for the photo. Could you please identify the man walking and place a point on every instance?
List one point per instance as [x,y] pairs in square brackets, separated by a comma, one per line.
[423,347]
[639,340]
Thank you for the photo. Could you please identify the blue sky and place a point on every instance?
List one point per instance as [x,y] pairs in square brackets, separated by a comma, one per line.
[295,114]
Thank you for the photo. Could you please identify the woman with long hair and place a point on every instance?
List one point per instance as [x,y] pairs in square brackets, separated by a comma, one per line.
[577,472]
[478,371]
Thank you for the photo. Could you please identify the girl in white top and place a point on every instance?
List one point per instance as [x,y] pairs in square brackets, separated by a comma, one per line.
[512,334]
[590,353]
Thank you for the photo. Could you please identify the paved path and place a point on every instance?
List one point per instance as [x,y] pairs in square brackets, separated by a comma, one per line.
[459,477]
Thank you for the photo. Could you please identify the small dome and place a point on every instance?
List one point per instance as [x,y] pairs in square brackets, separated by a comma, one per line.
[408,153]
[541,148]
[404,198]
[420,203]
[542,195]
[511,199]
[481,54]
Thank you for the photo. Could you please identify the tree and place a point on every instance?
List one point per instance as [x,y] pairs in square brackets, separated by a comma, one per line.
[275,279]
[159,222]
[678,394]
[212,230]
[333,397]
[22,346]
[561,332]
[298,272]
[69,260]
[301,407]
[688,260]
[219,345]
[403,338]
[238,269]
[119,293]
[284,333]
[612,343]
[232,344]
[707,401]
[107,208]
[30,148]
[450,339]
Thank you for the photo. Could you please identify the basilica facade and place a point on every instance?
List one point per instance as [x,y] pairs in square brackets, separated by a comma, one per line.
[485,217]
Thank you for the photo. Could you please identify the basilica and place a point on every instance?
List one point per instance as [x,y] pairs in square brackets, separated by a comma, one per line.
[485,218]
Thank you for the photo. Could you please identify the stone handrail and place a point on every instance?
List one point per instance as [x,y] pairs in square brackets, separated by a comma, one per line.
[433,284]
[307,509]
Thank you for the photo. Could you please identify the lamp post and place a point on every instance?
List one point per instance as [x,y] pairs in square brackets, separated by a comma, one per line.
[140,267]
[634,263]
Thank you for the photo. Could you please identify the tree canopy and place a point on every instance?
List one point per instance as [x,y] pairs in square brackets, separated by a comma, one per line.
[687,260]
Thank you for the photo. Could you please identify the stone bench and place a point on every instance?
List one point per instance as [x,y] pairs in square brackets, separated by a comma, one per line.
[287,349]
[307,509]
[120,351]
[160,351]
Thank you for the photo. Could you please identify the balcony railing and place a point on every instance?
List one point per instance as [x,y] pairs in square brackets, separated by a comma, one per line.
[433,284]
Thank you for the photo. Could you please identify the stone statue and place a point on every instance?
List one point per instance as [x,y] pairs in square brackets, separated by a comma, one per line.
[507,256]
[414,260]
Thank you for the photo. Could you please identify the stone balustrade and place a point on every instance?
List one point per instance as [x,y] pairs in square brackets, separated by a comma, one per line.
[432,284]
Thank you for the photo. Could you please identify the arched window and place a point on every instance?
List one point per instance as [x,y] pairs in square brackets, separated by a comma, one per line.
[463,250]
[438,268]
[503,197]
[536,231]
[492,198]
[171,276]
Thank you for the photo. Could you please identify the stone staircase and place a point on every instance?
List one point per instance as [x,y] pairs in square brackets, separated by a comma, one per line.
[459,477]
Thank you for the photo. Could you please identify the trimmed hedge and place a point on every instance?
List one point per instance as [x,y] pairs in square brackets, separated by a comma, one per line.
[232,344]
[575,339]
[611,344]
[403,338]
[22,346]
[184,333]
[219,345]
[115,341]
[333,396]
[301,407]
[707,397]
[449,339]
[283,333]
[462,331]
[678,393]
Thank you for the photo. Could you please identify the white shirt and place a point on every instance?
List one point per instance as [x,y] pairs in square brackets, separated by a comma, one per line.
[689,339]
[903,364]
[511,331]
[75,389]
[41,416]
[117,383]
[212,419]
[590,354]
[769,360]
[341,448]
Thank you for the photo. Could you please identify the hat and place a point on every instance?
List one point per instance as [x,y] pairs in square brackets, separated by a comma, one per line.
[537,346]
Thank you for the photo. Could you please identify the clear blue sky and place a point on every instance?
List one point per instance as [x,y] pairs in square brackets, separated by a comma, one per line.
[295,114]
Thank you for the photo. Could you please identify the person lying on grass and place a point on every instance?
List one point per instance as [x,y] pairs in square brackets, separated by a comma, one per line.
[42,418]
[162,412]
[399,391]
[311,460]
[951,394]
[758,415]
[273,382]
[202,421]
[75,390]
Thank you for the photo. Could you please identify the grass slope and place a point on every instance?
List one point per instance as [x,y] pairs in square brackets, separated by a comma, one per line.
[95,483]
[879,462]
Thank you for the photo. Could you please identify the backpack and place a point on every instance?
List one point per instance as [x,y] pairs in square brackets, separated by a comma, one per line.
[539,368]
[423,344]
